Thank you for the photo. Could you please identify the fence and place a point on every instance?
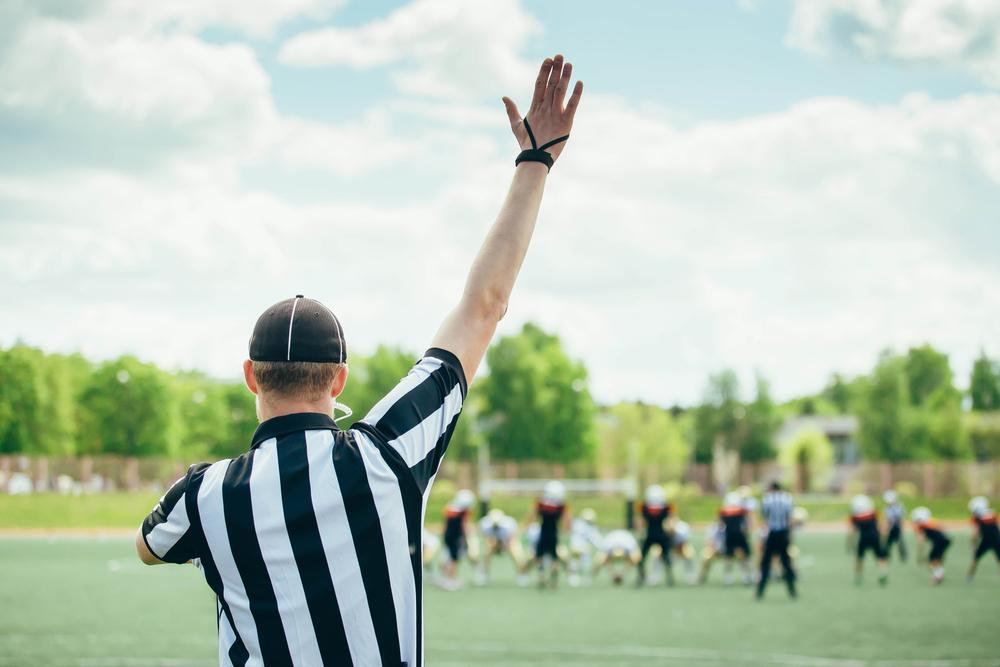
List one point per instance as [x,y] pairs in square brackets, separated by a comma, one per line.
[113,473]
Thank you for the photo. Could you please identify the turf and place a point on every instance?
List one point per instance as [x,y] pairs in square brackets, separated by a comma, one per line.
[126,510]
[84,602]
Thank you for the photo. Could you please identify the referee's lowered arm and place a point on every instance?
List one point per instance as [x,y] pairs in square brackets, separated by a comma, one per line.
[468,329]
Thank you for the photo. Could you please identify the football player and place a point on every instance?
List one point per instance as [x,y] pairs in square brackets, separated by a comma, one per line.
[750,505]
[551,513]
[928,530]
[894,514]
[681,542]
[987,535]
[715,544]
[455,538]
[656,512]
[619,551]
[865,533]
[584,537]
[499,532]
[733,517]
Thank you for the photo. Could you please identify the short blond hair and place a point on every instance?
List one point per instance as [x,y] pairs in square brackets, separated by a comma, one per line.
[300,380]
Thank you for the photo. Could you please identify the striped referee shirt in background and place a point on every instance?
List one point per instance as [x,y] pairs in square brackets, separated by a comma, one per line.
[312,539]
[777,509]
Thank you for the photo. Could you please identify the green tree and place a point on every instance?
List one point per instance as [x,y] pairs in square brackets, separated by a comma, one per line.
[761,420]
[22,409]
[807,460]
[984,385]
[927,371]
[241,415]
[648,432]
[839,393]
[719,417]
[127,408]
[202,416]
[883,429]
[538,398]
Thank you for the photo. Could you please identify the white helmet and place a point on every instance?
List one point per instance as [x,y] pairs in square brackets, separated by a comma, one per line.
[861,504]
[655,495]
[979,505]
[495,515]
[920,514]
[744,491]
[732,499]
[554,491]
[800,515]
[682,530]
[890,497]
[464,499]
[588,515]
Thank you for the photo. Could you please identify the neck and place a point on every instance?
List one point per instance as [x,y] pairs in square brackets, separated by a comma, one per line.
[268,408]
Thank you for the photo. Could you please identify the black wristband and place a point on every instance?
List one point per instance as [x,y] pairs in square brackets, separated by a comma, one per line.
[535,155]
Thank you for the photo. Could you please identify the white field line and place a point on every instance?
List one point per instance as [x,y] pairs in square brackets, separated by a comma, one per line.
[710,655]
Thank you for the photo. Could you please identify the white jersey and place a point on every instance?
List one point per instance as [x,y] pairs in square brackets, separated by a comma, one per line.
[619,540]
[584,535]
[750,504]
[502,530]
[715,536]
[430,540]
[682,531]
[532,533]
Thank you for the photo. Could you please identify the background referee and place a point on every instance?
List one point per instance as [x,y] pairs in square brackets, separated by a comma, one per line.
[777,510]
[311,540]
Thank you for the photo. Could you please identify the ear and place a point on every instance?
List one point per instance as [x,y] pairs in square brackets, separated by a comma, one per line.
[248,377]
[339,381]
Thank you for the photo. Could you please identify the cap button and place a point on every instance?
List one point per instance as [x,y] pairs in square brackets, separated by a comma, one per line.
[299,296]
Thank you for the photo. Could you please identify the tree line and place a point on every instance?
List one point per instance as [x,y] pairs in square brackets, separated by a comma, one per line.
[534,404]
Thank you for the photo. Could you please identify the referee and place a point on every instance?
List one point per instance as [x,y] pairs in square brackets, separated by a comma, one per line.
[311,540]
[776,509]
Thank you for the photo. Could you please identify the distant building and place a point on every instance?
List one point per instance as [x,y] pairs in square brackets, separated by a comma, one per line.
[840,430]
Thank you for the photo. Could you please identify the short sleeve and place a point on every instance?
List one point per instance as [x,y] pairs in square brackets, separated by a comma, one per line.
[168,530]
[417,418]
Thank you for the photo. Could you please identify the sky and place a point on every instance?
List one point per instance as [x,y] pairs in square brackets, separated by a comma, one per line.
[777,186]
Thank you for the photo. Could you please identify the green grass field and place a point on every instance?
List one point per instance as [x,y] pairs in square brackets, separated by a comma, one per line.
[89,603]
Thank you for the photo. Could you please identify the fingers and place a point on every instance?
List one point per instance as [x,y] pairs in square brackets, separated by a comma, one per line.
[540,83]
[554,76]
[512,113]
[574,101]
[560,95]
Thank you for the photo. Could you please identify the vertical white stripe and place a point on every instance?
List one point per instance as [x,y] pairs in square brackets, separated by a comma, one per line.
[338,545]
[226,639]
[213,523]
[165,535]
[389,503]
[279,559]
[288,356]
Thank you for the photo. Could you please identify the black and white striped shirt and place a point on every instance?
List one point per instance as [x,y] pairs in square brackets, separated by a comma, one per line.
[311,540]
[776,509]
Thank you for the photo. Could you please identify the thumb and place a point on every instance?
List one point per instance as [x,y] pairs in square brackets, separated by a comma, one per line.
[512,113]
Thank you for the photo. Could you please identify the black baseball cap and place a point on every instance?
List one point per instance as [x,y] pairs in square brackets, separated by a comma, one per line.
[298,329]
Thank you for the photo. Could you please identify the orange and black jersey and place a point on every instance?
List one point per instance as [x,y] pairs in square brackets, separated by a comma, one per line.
[733,518]
[987,525]
[655,516]
[454,521]
[549,514]
[932,531]
[865,521]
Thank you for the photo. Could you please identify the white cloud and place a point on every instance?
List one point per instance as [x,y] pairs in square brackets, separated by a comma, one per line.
[961,34]
[441,48]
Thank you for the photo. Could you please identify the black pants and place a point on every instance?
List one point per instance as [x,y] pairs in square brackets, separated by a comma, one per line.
[663,540]
[777,544]
[895,536]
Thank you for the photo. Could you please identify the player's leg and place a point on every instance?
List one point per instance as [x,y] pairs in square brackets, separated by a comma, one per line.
[647,544]
[882,559]
[981,548]
[668,567]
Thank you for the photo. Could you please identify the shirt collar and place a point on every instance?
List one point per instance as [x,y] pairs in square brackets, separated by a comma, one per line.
[285,424]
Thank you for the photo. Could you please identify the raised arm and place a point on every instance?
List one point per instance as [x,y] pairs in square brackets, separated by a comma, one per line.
[467,330]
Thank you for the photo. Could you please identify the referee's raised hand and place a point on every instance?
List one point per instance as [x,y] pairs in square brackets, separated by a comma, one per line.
[550,117]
